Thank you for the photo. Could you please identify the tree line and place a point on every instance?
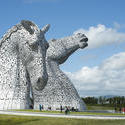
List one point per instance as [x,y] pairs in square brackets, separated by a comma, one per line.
[117,101]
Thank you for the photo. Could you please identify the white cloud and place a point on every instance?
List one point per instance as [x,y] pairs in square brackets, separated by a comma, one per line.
[101,35]
[107,78]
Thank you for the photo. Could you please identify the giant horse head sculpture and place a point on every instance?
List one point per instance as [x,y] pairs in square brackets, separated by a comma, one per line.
[22,62]
[60,49]
[59,89]
[33,52]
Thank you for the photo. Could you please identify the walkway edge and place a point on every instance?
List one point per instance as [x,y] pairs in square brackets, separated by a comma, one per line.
[62,116]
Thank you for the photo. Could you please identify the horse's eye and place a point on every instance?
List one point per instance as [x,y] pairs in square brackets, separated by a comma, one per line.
[34,47]
[80,34]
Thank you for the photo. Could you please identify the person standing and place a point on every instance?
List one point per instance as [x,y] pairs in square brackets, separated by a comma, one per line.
[40,107]
[61,108]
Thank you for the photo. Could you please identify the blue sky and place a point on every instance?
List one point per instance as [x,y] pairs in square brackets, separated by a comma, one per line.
[103,17]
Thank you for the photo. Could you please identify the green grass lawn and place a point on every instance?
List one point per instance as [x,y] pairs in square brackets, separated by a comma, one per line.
[99,107]
[96,113]
[31,110]
[28,120]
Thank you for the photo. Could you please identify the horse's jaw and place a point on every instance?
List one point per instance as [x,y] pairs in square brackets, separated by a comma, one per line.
[83,45]
[67,53]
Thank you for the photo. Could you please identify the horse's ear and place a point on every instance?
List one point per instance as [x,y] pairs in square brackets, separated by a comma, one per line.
[45,28]
[27,25]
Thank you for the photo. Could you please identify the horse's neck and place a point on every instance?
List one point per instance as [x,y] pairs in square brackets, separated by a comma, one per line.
[66,55]
[69,48]
[57,76]
[52,67]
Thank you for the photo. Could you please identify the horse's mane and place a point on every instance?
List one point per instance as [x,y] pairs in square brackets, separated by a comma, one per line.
[26,25]
[8,34]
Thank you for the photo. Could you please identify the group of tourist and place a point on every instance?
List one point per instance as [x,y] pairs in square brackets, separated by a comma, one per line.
[67,109]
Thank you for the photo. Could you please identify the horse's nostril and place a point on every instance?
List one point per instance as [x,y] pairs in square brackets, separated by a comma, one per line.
[39,80]
[86,39]
[41,83]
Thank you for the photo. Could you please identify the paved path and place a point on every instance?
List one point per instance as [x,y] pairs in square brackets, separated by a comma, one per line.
[60,115]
